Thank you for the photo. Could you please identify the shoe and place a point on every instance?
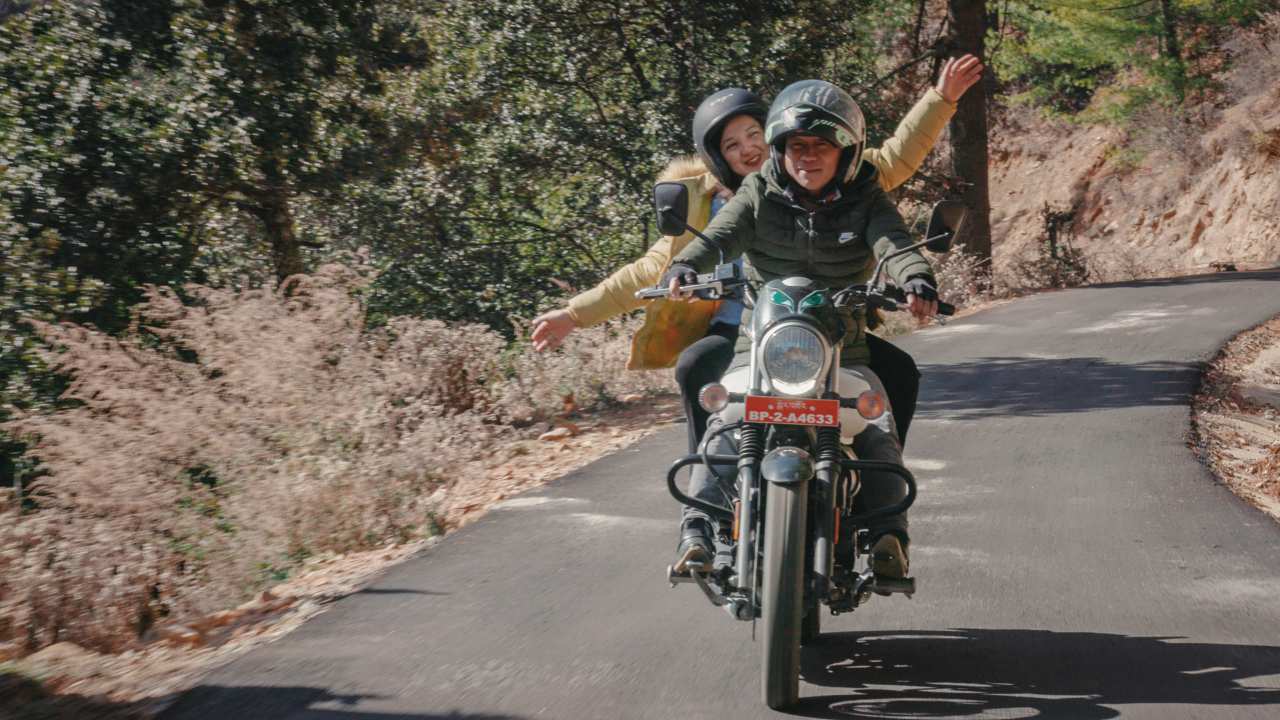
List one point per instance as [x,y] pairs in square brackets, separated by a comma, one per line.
[889,557]
[695,548]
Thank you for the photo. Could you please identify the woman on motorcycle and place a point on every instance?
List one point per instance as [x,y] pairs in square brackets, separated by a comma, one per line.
[815,209]
[728,134]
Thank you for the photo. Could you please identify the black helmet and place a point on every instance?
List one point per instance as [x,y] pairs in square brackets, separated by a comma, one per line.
[816,107]
[709,122]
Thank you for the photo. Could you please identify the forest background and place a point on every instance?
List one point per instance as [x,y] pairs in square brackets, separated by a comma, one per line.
[262,259]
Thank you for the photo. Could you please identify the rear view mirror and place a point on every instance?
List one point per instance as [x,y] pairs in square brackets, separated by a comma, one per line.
[944,224]
[671,201]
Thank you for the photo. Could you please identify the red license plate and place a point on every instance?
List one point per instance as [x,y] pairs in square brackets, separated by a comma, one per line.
[793,411]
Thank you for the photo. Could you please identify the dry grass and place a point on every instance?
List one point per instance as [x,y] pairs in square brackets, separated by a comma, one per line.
[224,441]
[1236,416]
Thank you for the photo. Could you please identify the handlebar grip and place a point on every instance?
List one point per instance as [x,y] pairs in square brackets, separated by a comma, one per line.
[946,308]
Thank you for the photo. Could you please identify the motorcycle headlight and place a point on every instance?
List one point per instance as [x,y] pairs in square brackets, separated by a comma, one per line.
[794,357]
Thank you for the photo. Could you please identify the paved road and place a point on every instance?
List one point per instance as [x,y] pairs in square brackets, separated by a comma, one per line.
[1074,561]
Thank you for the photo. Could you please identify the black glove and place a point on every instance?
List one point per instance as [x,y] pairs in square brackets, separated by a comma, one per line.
[922,286]
[684,273]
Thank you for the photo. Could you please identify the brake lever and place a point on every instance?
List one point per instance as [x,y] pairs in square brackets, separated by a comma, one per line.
[716,286]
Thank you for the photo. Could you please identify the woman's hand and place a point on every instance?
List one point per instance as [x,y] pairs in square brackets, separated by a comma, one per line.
[957,76]
[551,328]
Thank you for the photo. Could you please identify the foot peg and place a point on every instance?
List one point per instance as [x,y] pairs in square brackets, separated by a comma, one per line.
[697,574]
[888,586]
[687,575]
[868,582]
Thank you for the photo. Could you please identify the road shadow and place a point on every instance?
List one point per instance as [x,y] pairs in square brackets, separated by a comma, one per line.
[1005,386]
[1208,278]
[1041,674]
[212,702]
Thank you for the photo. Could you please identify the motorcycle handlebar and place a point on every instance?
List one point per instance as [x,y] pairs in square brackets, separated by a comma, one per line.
[716,289]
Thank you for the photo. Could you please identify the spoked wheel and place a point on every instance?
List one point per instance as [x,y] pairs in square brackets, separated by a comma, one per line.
[782,593]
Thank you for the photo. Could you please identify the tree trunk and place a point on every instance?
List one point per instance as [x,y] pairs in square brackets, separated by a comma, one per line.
[968,20]
[1172,49]
[277,220]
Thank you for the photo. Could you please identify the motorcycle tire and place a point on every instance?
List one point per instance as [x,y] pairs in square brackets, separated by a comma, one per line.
[811,626]
[782,593]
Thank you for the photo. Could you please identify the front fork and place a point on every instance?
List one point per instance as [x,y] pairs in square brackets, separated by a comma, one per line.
[827,471]
[750,451]
[826,476]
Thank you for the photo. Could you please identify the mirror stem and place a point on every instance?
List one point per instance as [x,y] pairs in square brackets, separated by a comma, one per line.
[875,279]
[700,236]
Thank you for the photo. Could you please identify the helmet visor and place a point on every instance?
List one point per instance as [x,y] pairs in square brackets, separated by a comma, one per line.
[809,120]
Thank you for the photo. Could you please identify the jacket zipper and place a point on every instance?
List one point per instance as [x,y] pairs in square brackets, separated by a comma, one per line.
[812,243]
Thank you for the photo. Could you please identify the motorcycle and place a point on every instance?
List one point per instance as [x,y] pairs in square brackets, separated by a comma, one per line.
[794,539]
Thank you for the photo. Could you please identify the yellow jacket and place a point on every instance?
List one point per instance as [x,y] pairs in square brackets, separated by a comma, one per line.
[670,327]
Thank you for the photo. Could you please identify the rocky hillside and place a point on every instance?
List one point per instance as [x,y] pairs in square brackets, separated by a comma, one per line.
[1160,195]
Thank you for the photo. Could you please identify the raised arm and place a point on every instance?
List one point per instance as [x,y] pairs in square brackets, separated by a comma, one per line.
[901,155]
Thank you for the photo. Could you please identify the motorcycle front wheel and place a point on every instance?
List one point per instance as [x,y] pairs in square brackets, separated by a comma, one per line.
[782,592]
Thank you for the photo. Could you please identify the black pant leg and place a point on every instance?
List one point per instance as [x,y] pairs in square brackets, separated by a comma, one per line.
[703,362]
[901,378]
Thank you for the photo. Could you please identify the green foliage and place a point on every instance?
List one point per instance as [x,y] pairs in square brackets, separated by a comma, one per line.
[86,155]
[1060,54]
[142,140]
[561,114]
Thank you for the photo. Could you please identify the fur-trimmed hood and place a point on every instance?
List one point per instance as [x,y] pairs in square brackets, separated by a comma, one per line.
[683,167]
[690,170]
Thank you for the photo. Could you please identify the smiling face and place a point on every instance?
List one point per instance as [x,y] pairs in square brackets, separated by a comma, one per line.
[742,145]
[811,161]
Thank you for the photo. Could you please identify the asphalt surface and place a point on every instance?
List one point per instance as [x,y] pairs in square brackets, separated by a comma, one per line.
[1073,560]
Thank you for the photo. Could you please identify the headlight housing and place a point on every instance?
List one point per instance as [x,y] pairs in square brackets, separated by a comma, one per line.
[794,357]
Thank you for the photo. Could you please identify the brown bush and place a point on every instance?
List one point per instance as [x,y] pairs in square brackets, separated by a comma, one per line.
[182,486]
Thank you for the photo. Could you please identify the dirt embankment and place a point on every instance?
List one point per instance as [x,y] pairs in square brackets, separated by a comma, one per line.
[1168,195]
[1236,416]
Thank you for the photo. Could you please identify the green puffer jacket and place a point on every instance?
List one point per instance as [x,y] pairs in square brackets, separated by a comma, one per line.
[832,244]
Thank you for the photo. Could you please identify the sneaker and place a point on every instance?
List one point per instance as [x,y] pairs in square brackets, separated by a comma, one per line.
[889,557]
[695,546]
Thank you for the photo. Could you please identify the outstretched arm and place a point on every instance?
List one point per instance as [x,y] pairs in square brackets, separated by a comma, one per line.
[613,296]
[616,294]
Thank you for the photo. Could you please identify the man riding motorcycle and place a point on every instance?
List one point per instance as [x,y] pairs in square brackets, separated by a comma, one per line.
[815,210]
[728,134]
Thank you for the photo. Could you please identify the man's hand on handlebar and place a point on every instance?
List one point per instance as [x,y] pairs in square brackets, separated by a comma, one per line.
[922,298]
[678,275]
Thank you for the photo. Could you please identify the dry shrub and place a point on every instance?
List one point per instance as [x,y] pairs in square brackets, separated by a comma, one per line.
[1266,142]
[225,440]
[964,278]
[1053,262]
[1121,263]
